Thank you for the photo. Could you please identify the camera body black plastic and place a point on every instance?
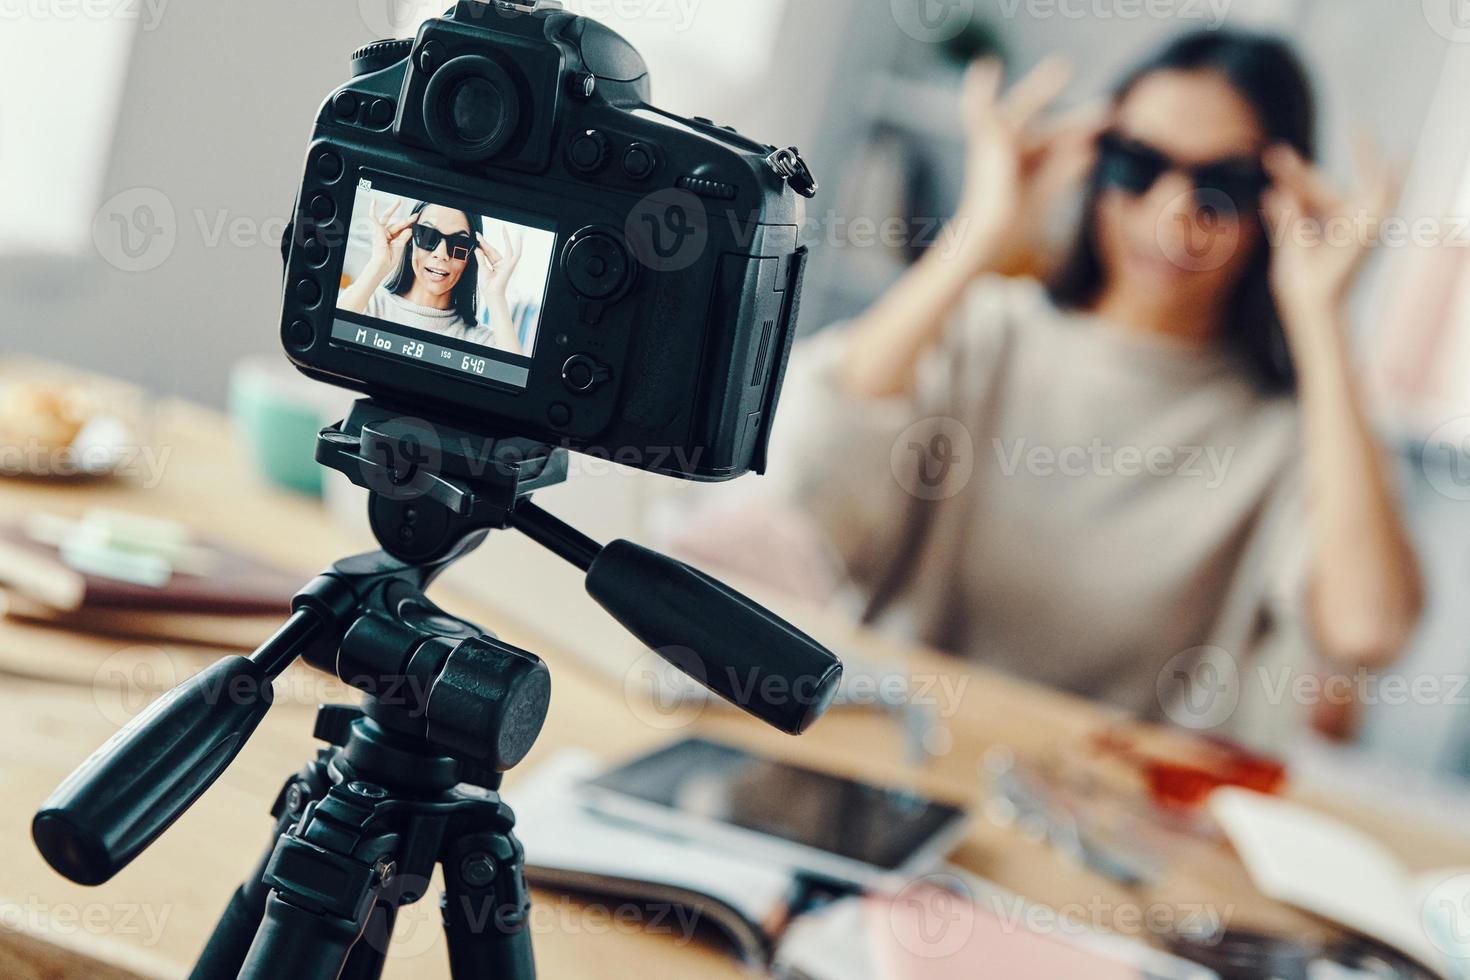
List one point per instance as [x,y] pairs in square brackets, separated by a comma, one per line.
[675,276]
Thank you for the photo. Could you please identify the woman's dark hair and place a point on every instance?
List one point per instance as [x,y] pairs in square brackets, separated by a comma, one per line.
[1268,75]
[462,298]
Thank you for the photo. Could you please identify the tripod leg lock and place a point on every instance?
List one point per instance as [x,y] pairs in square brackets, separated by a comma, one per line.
[318,867]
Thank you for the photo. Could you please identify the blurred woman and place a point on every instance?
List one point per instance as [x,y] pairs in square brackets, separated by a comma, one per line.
[1161,447]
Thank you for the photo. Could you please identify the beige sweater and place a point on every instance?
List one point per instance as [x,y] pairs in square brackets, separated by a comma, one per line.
[1061,499]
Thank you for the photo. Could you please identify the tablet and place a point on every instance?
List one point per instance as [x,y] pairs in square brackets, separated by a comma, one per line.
[847,830]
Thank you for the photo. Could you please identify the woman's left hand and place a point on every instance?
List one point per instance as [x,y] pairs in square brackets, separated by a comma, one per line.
[496,265]
[1320,235]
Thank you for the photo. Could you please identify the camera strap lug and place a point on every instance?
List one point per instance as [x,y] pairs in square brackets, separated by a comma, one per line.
[789,165]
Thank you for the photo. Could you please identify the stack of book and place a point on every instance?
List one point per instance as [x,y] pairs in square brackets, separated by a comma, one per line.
[140,578]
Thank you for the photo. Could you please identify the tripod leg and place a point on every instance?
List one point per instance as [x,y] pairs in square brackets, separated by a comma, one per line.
[486,907]
[224,954]
[296,944]
[365,962]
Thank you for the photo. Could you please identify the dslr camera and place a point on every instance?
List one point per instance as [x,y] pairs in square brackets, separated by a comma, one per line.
[497,229]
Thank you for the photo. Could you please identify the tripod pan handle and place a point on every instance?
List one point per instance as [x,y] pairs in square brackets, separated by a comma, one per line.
[731,645]
[133,787]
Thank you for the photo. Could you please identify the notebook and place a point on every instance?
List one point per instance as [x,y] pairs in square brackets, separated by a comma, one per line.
[1304,858]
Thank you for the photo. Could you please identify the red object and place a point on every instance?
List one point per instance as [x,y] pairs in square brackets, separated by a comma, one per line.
[1181,785]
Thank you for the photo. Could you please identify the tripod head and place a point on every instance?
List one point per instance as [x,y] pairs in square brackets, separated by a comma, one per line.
[435,491]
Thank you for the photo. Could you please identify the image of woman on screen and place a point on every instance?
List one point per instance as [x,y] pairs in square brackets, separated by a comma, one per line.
[432,270]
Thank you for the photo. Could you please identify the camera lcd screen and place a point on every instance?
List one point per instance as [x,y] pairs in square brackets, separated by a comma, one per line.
[438,283]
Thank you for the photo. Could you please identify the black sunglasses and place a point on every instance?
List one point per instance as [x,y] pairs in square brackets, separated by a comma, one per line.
[427,237]
[1134,167]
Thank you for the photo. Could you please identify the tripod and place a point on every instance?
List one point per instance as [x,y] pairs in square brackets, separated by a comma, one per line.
[410,778]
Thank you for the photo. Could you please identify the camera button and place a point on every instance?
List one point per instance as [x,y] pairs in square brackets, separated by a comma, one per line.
[329,166]
[431,56]
[314,250]
[381,112]
[308,292]
[322,207]
[344,105]
[639,161]
[582,373]
[300,334]
[588,152]
[559,414]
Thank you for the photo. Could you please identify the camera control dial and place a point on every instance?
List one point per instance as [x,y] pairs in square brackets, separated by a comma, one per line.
[597,265]
[582,373]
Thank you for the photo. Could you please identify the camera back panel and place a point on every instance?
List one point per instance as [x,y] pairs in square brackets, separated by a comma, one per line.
[653,303]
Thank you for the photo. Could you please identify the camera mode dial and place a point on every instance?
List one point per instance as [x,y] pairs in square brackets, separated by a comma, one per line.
[377,55]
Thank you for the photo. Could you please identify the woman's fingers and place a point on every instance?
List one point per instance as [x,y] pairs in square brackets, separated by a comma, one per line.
[1378,180]
[396,231]
[1310,185]
[981,89]
[388,214]
[1033,93]
[1073,132]
[491,255]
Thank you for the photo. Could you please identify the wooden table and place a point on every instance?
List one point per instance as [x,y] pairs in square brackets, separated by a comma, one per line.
[64,694]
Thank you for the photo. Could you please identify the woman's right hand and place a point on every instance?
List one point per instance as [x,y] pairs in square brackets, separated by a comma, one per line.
[389,239]
[1017,166]
[1016,170]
